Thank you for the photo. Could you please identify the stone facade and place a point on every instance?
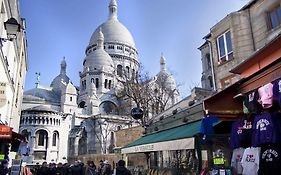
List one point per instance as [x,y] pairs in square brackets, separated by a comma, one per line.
[235,38]
[13,65]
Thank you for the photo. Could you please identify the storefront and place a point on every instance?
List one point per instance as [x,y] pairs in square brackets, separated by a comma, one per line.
[9,142]
[253,105]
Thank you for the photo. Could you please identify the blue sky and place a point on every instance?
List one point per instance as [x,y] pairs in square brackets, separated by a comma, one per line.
[57,28]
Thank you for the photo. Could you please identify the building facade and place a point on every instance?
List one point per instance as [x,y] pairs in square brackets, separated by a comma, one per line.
[64,121]
[13,65]
[235,38]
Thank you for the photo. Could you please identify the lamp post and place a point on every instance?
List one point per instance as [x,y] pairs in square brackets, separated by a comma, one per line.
[12,27]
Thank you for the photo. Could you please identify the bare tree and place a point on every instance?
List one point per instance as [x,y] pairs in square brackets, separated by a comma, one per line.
[151,94]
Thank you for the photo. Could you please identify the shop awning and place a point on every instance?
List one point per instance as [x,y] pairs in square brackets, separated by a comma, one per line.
[177,138]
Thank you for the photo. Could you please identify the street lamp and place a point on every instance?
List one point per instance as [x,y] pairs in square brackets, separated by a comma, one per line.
[12,27]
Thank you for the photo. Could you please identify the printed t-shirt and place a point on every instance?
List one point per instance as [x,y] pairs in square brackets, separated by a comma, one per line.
[263,130]
[236,160]
[250,161]
[270,160]
[241,134]
[266,95]
[251,102]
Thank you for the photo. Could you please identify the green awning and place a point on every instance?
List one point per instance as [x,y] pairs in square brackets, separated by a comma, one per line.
[177,138]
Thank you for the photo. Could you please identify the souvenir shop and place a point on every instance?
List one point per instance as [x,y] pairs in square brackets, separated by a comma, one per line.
[253,106]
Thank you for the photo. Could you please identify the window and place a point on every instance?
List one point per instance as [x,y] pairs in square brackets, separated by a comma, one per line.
[55,137]
[127,70]
[42,136]
[110,47]
[208,60]
[70,98]
[105,83]
[225,47]
[97,83]
[92,80]
[275,17]
[109,84]
[210,81]
[119,70]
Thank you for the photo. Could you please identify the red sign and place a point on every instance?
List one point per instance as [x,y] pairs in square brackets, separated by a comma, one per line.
[5,132]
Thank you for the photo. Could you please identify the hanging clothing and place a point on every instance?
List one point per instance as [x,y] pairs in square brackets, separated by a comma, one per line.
[251,102]
[266,95]
[250,161]
[236,160]
[277,91]
[270,159]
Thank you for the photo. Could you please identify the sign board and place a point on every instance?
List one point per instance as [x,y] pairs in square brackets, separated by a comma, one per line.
[3,97]
[5,132]
[16,167]
[137,113]
[2,156]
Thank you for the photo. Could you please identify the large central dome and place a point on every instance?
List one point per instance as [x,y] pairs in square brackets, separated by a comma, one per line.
[113,30]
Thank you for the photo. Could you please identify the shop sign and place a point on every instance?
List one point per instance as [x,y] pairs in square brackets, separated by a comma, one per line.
[3,97]
[137,113]
[5,132]
[2,156]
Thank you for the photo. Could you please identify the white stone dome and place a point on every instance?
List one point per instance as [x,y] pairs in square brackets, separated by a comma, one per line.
[99,57]
[166,78]
[113,31]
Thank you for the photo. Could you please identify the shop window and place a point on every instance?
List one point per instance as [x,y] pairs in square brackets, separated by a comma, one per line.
[275,17]
[224,44]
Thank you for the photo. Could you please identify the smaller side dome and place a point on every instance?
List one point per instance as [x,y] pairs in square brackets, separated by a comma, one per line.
[70,89]
[98,58]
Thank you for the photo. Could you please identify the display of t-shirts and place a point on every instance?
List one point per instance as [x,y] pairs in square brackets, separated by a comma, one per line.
[236,160]
[241,134]
[207,125]
[250,161]
[266,95]
[263,130]
[270,160]
[277,91]
[251,102]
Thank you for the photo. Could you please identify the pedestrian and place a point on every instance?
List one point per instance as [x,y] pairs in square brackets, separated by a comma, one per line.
[76,169]
[52,169]
[4,170]
[60,170]
[100,167]
[44,170]
[106,169]
[90,168]
[121,169]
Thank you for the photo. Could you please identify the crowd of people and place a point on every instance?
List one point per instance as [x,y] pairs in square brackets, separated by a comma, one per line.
[78,168]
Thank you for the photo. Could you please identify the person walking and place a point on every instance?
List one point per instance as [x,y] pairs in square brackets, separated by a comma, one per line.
[106,170]
[76,169]
[121,169]
[4,170]
[90,168]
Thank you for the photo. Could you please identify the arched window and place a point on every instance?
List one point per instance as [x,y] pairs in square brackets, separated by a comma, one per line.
[107,107]
[105,83]
[97,83]
[92,80]
[210,81]
[42,137]
[26,134]
[208,61]
[133,73]
[55,138]
[127,71]
[109,84]
[119,70]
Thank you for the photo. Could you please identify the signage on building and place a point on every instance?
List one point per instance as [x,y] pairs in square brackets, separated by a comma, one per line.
[3,97]
[5,132]
[137,113]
